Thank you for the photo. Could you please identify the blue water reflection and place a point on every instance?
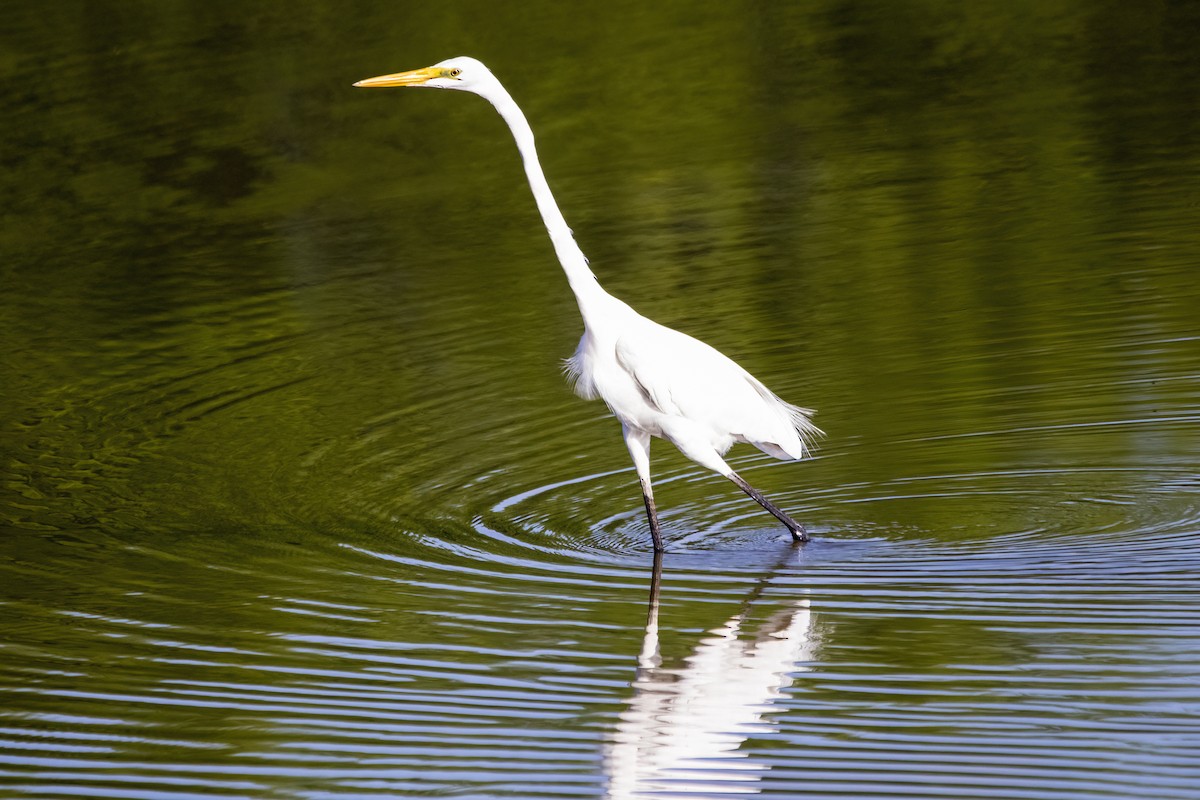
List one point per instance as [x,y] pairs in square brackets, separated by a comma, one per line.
[294,501]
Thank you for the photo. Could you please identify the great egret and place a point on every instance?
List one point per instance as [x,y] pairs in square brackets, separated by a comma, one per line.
[657,381]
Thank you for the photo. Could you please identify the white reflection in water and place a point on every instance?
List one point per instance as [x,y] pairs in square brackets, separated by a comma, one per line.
[684,727]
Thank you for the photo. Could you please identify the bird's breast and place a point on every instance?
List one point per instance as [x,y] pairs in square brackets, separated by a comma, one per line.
[620,392]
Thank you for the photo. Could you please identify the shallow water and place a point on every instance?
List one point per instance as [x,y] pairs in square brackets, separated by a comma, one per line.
[295,501]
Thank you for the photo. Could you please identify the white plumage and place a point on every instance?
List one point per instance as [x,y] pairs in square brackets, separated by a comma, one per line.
[657,381]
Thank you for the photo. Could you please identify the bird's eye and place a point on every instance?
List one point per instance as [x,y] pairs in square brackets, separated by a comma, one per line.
[454,73]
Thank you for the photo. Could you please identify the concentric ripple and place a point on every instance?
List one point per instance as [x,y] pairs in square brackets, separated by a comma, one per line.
[1013,630]
[294,502]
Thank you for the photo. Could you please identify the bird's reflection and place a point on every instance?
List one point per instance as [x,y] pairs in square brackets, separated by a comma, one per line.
[684,726]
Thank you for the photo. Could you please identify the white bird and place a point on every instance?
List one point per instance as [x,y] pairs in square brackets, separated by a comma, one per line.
[656,380]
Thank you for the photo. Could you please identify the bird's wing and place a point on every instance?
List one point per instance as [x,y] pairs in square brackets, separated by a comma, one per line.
[683,376]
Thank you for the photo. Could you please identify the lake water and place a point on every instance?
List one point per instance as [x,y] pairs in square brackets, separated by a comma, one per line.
[295,502]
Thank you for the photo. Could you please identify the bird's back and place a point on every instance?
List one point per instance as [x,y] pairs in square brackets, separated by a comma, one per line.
[682,379]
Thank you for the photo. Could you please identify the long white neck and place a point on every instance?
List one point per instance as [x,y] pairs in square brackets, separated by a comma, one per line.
[587,289]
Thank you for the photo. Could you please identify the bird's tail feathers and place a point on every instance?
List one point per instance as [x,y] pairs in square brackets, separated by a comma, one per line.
[799,419]
[806,431]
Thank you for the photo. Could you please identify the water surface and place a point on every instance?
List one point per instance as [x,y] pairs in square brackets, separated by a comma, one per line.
[295,502]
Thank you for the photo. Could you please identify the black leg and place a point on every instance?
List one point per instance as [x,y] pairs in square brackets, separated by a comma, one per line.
[652,515]
[798,532]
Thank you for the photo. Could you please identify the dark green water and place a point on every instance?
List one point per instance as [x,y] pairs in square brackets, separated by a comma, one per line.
[295,502]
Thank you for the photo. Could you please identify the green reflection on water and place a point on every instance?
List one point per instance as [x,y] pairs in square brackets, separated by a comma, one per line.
[251,315]
[920,220]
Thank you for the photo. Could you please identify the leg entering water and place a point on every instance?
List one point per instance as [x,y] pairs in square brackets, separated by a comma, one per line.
[798,532]
[652,515]
[638,443]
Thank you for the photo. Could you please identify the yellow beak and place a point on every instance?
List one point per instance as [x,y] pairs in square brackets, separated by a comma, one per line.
[414,77]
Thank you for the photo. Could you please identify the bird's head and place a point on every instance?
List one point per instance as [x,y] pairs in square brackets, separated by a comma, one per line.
[462,73]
